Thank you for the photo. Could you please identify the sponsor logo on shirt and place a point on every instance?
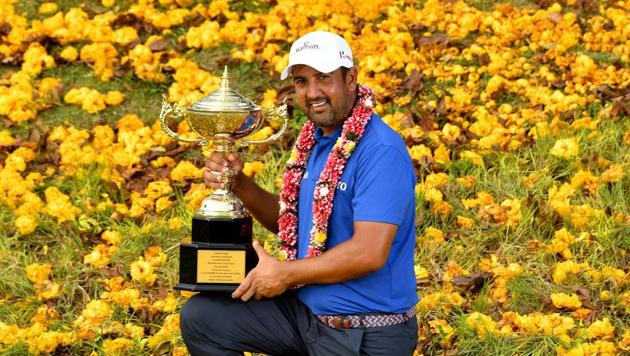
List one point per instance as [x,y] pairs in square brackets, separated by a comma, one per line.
[340,185]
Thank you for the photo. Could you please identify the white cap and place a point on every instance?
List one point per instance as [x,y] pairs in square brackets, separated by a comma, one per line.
[320,50]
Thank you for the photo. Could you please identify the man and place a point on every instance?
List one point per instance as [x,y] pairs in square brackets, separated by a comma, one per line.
[345,221]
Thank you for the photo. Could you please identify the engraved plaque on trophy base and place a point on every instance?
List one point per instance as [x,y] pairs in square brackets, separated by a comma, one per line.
[214,267]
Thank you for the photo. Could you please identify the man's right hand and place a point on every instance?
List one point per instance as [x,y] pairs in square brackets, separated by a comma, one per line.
[216,164]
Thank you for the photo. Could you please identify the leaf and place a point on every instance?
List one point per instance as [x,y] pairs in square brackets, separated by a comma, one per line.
[555,17]
[38,134]
[413,83]
[425,119]
[558,84]
[130,172]
[158,45]
[5,29]
[620,108]
[163,348]
[126,19]
[440,40]
[590,6]
[473,281]
[607,92]
[195,20]
[484,59]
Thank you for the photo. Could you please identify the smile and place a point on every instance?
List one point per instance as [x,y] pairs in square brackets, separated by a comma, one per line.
[318,103]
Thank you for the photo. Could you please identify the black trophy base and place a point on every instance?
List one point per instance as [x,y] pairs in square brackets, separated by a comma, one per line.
[219,257]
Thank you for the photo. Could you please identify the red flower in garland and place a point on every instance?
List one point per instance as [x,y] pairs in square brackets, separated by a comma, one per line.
[352,131]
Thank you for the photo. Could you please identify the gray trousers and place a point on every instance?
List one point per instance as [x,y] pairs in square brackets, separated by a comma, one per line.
[219,325]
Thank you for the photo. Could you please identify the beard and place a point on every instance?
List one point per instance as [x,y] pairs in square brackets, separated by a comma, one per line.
[329,117]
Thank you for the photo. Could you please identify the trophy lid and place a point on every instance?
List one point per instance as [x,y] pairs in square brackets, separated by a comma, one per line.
[224,99]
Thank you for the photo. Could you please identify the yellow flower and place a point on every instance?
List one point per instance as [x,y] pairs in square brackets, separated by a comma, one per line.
[442,208]
[565,148]
[6,138]
[419,152]
[320,237]
[421,272]
[435,235]
[562,269]
[114,97]
[563,300]
[47,290]
[112,237]
[601,329]
[126,298]
[163,162]
[451,132]
[155,256]
[94,314]
[482,323]
[45,314]
[473,157]
[168,333]
[186,170]
[614,173]
[48,341]
[442,155]
[174,223]
[443,329]
[125,35]
[26,224]
[142,272]
[562,240]
[162,204]
[47,8]
[121,345]
[69,53]
[282,256]
[453,270]
[250,169]
[624,344]
[99,256]
[59,206]
[37,272]
[465,222]
[167,305]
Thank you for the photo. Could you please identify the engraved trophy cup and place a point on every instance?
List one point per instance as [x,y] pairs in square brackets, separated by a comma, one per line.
[220,253]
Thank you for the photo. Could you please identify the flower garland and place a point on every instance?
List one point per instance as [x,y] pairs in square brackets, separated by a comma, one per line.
[352,131]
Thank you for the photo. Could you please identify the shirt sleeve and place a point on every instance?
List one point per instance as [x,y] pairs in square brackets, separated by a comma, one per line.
[384,187]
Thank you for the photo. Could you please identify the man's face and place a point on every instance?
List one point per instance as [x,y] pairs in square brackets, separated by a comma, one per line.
[326,98]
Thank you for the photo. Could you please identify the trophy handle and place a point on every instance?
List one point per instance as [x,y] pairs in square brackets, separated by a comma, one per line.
[273,114]
[169,110]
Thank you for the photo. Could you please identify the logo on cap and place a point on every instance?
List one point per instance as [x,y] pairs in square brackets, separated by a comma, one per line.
[306,45]
[344,55]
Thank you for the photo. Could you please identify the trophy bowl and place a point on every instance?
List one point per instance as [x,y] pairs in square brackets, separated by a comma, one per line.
[221,252]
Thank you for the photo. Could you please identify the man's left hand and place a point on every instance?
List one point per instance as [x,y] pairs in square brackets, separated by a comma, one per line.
[267,280]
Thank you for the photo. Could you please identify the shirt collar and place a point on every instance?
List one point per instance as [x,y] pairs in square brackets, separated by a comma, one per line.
[319,135]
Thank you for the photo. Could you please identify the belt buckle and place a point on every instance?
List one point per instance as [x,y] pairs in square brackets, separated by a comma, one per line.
[341,322]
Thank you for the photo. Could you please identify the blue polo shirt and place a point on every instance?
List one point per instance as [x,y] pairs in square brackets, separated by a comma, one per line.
[377,185]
